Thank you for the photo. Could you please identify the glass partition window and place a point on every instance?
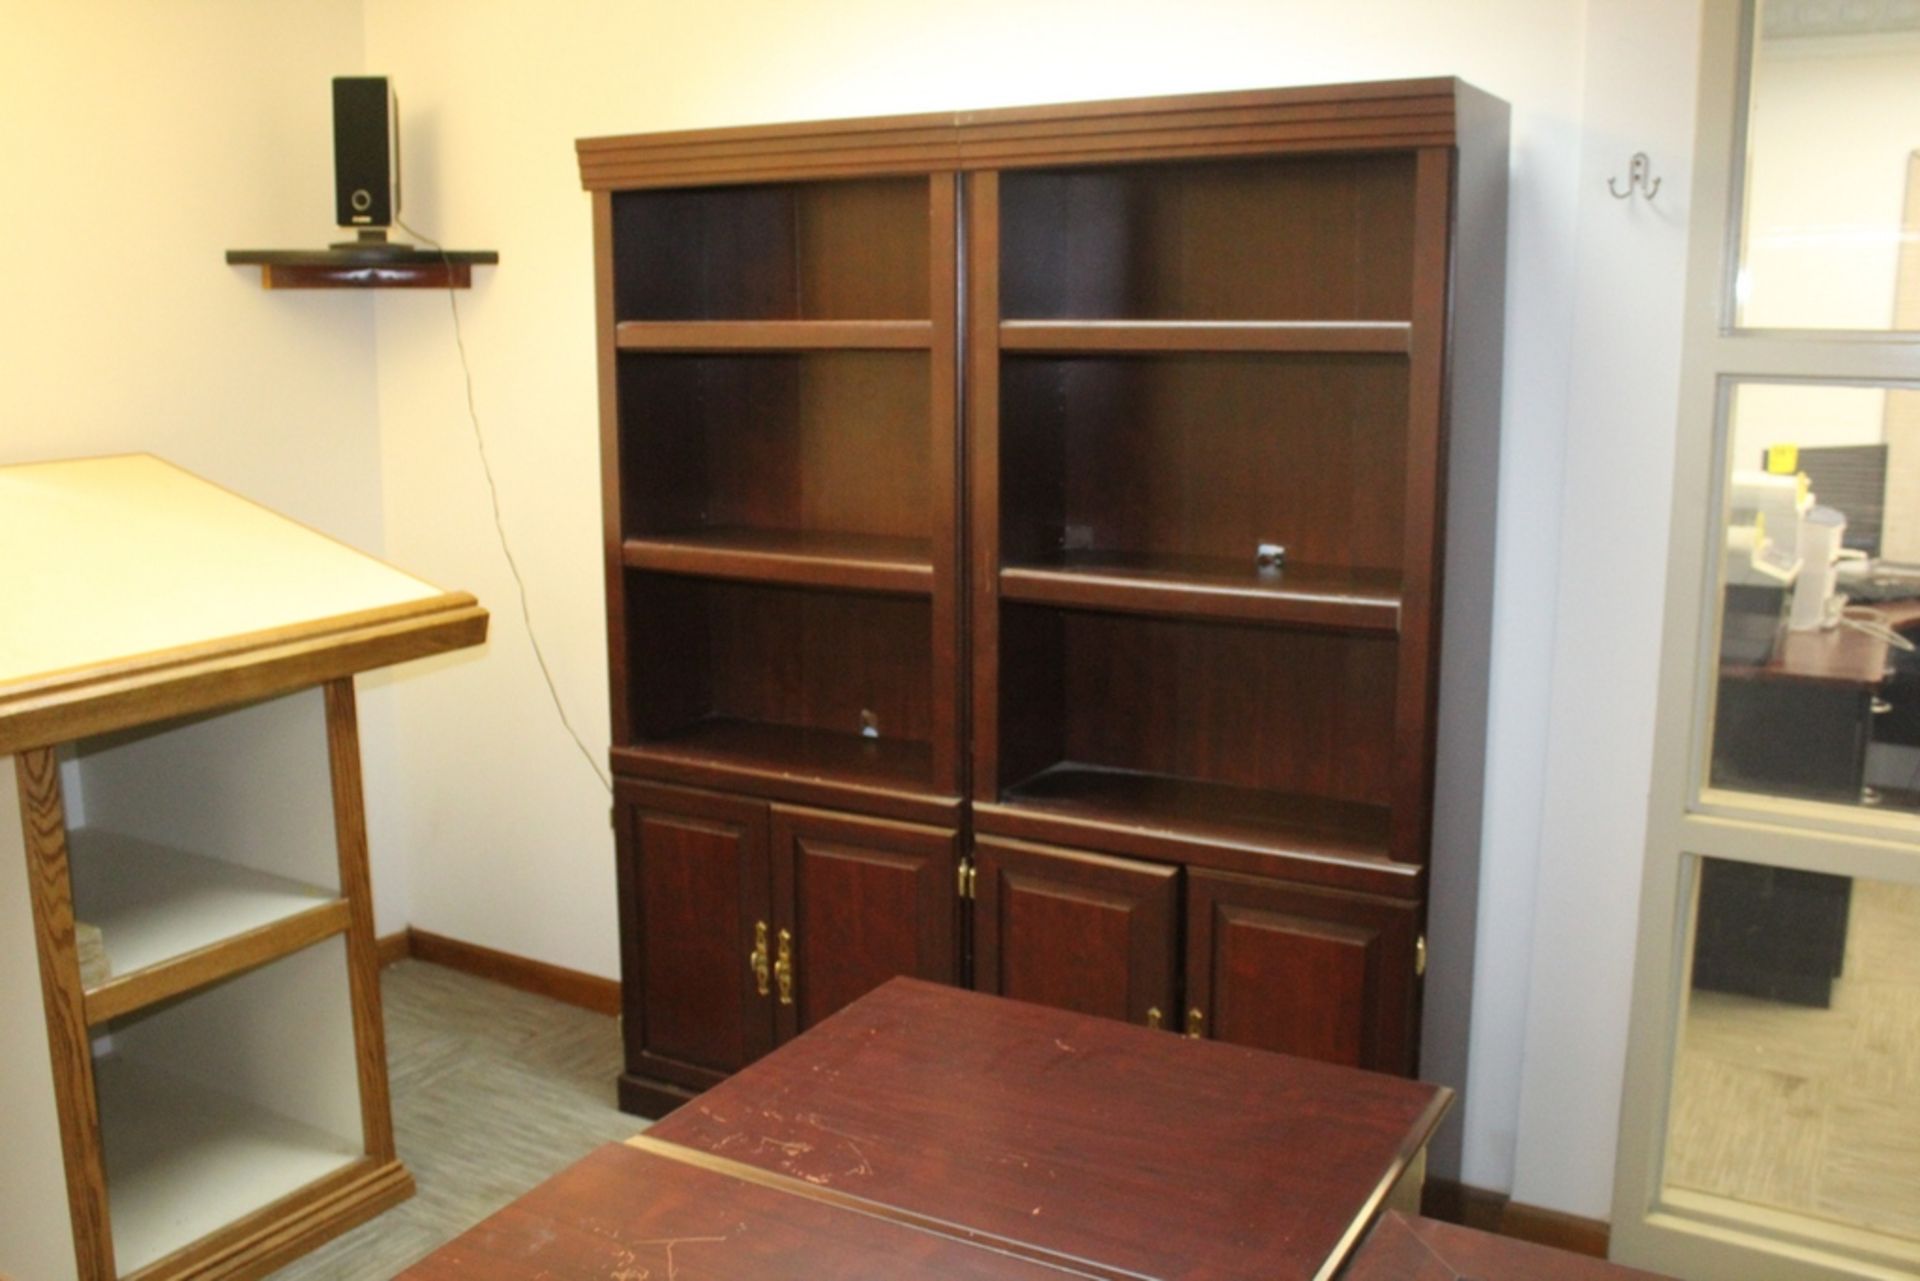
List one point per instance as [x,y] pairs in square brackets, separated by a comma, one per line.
[1831,208]
[1770,1128]
[1797,1075]
[1817,680]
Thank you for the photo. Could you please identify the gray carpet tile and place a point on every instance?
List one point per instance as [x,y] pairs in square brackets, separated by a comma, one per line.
[1809,1110]
[493,1091]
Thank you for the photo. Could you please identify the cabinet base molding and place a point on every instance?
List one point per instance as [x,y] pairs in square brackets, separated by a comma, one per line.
[390,948]
[569,987]
[276,1234]
[646,1097]
[1494,1212]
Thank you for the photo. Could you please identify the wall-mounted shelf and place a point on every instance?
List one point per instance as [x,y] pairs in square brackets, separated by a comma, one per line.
[380,267]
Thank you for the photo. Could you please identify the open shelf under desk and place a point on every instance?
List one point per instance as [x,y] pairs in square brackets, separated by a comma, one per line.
[773,335]
[173,921]
[1242,829]
[1209,587]
[798,558]
[184,1160]
[889,776]
[1389,337]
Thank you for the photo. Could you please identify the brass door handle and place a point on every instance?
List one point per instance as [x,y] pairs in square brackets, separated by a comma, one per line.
[783,967]
[1194,1019]
[757,959]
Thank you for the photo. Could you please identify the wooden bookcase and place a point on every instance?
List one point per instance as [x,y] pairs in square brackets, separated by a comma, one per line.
[1190,777]
[177,716]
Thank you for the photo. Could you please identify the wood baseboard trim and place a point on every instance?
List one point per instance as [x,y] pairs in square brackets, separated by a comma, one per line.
[571,987]
[393,947]
[1494,1212]
[1551,1227]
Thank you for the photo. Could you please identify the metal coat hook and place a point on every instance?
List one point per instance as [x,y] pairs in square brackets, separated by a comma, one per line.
[1639,174]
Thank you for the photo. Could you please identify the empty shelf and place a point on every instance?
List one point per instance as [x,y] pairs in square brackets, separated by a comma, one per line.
[1159,805]
[1208,587]
[802,558]
[172,921]
[1147,336]
[184,1160]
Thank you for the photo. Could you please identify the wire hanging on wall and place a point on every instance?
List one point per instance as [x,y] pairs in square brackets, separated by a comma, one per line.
[499,524]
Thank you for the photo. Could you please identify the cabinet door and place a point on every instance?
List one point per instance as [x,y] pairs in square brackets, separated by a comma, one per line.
[1318,973]
[1079,931]
[858,900]
[693,889]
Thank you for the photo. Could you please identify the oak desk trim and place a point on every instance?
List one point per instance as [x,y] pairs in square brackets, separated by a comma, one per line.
[146,592]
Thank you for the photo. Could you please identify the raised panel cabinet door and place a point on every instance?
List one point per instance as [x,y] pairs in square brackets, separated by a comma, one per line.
[858,901]
[1084,932]
[694,893]
[1318,973]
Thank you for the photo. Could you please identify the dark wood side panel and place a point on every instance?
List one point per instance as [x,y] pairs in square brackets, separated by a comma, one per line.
[1425,506]
[693,886]
[944,468]
[860,900]
[612,508]
[1317,973]
[981,405]
[1081,932]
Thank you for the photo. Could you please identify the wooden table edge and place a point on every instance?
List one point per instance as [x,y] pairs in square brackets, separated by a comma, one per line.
[1411,1149]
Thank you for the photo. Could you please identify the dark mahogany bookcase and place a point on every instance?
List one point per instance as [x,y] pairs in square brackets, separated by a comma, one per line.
[1024,533]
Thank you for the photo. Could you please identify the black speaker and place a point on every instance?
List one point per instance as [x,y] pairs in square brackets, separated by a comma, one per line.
[366,151]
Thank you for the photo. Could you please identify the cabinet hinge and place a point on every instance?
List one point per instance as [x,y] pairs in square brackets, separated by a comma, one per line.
[1420,957]
[966,879]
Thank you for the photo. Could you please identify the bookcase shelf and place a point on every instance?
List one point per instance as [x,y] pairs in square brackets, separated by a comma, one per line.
[765,751]
[1311,337]
[1169,811]
[1208,587]
[865,562]
[773,335]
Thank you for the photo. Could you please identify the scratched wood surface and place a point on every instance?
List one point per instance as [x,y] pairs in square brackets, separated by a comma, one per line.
[632,1215]
[1405,1247]
[1135,1150]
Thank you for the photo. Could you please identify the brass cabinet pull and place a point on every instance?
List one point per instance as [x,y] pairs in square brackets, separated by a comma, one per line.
[783,967]
[1153,1016]
[757,959]
[1194,1018]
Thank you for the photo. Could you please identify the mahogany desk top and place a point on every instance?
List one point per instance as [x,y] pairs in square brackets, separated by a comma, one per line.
[922,1123]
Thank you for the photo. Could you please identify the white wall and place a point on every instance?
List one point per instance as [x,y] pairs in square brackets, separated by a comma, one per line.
[140,142]
[1628,269]
[511,845]
[502,822]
